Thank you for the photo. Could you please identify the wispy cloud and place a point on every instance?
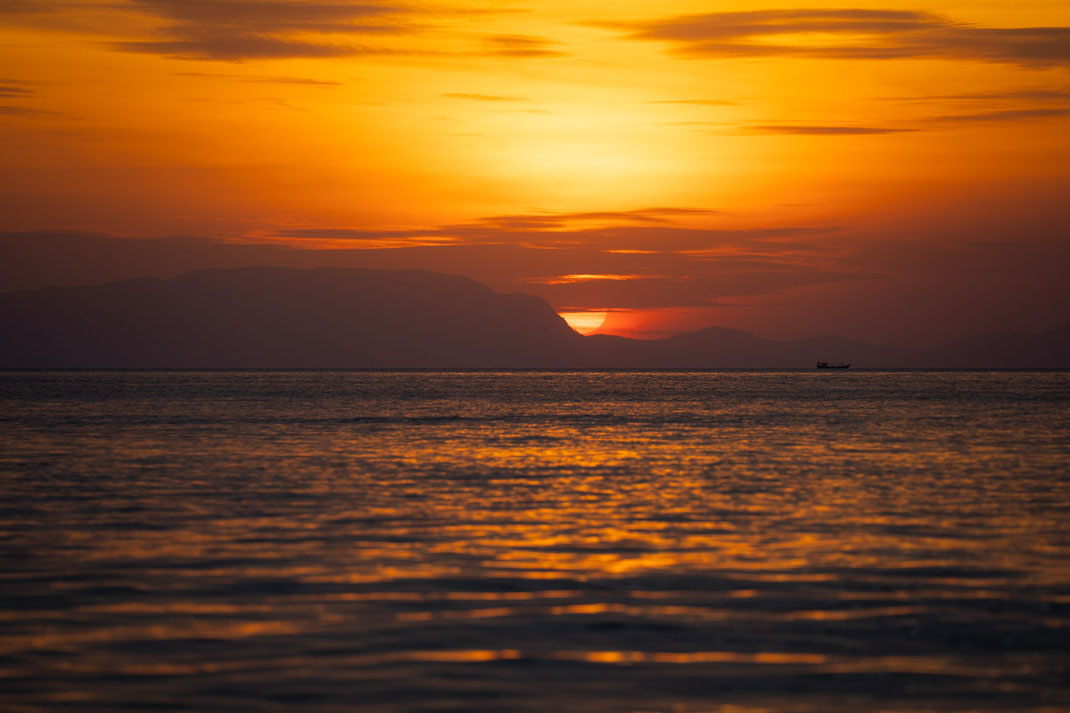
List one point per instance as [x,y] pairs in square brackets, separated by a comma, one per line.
[932,123]
[8,110]
[748,264]
[632,259]
[523,46]
[17,111]
[544,221]
[643,231]
[705,102]
[1011,115]
[550,221]
[17,88]
[235,30]
[554,227]
[867,34]
[579,277]
[1031,95]
[8,91]
[818,130]
[585,277]
[238,30]
[267,15]
[258,79]
[237,48]
[483,97]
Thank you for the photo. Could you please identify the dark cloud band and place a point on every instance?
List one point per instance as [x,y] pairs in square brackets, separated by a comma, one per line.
[886,34]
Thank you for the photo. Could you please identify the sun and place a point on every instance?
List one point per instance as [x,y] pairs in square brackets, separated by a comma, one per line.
[585,322]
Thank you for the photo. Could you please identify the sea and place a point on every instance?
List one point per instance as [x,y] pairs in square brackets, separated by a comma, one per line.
[543,542]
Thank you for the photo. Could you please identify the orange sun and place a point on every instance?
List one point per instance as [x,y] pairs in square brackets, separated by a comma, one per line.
[585,322]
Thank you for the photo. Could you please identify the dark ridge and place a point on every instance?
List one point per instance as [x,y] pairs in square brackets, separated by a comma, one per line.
[349,318]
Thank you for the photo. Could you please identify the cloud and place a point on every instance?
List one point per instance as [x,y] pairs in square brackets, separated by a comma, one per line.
[632,259]
[817,130]
[235,30]
[546,229]
[1036,95]
[626,260]
[483,97]
[239,30]
[523,46]
[542,221]
[579,275]
[867,34]
[260,79]
[1011,115]
[705,102]
[33,7]
[26,111]
[8,91]
[266,15]
[684,283]
[647,234]
[236,48]
[585,277]
[926,124]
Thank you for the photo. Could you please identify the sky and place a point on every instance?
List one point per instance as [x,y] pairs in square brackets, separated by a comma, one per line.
[892,171]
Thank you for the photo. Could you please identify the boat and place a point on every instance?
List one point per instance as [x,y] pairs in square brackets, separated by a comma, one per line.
[828,365]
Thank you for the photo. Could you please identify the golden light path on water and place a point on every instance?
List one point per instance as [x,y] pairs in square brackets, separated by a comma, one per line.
[377,541]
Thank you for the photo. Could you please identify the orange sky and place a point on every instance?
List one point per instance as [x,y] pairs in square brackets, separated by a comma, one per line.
[893,171]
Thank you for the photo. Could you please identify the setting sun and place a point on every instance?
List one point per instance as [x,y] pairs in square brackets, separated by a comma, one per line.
[584,322]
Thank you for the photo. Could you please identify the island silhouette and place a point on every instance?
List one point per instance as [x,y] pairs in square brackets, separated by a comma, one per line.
[349,318]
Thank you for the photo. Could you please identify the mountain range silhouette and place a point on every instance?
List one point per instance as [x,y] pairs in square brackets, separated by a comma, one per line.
[346,318]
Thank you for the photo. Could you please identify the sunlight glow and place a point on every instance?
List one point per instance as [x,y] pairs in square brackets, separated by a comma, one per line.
[585,277]
[585,322]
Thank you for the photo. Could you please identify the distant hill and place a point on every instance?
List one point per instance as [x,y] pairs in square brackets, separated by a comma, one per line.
[273,317]
[1005,350]
[282,317]
[722,348]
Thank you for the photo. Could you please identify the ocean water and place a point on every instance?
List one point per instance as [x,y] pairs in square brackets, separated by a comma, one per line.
[524,541]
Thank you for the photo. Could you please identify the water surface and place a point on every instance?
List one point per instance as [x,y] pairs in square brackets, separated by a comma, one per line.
[526,541]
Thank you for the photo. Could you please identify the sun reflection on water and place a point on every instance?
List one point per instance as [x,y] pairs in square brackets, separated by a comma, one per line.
[634,541]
